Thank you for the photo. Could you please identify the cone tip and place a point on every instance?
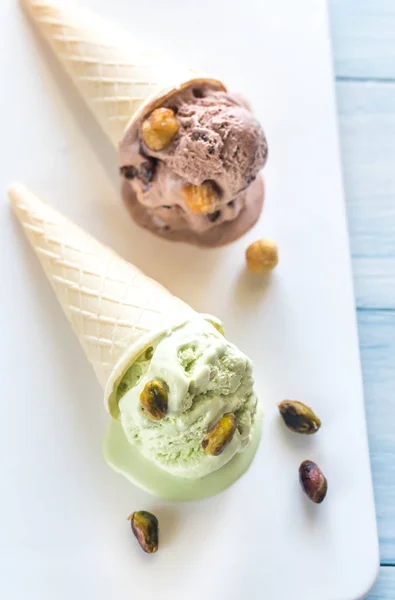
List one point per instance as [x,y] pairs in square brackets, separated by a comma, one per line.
[16,191]
[19,195]
[31,6]
[31,3]
[26,4]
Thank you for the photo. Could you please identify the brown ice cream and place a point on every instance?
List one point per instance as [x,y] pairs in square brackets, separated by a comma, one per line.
[190,168]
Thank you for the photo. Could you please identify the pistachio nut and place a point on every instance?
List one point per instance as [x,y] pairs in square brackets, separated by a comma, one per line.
[313,481]
[153,399]
[298,417]
[145,528]
[219,435]
[146,355]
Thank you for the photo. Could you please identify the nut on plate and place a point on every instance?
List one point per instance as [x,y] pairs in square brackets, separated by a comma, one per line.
[298,417]
[154,400]
[313,481]
[159,129]
[201,199]
[145,528]
[262,256]
[219,435]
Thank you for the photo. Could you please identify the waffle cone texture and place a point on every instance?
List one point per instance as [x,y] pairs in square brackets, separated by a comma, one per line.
[120,79]
[114,309]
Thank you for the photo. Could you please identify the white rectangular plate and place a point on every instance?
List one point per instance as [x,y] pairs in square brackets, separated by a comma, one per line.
[64,529]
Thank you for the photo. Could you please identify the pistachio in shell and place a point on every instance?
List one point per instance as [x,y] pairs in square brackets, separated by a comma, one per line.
[146,355]
[145,528]
[313,481]
[219,435]
[298,417]
[154,399]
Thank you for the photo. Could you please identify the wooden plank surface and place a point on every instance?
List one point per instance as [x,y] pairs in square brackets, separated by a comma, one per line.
[385,587]
[377,343]
[363,38]
[367,134]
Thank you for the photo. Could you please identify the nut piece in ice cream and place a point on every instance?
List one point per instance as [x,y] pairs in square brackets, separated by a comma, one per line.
[262,256]
[202,199]
[313,481]
[129,172]
[159,129]
[220,435]
[145,528]
[298,417]
[154,399]
[212,138]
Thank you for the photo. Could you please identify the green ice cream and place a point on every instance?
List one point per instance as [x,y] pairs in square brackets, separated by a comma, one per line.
[206,377]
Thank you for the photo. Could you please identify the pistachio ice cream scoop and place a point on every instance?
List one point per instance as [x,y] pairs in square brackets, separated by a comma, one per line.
[190,407]
[184,416]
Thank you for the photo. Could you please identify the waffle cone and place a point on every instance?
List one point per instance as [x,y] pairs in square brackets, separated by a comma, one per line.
[113,308]
[119,79]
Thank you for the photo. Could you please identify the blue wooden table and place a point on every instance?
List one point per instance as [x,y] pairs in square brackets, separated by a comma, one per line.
[363,33]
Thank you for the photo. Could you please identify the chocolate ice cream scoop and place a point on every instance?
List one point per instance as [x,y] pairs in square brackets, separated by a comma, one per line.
[189,151]
[190,167]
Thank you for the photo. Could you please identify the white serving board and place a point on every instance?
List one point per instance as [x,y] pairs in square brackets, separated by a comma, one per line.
[64,529]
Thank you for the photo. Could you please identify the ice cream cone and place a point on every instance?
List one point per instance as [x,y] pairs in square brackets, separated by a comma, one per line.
[114,309]
[118,78]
